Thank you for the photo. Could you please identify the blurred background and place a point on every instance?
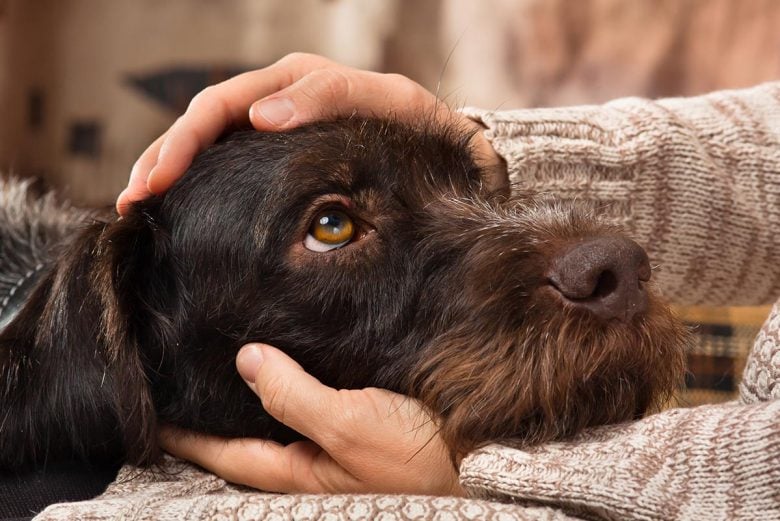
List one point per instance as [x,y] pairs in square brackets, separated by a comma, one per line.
[86,85]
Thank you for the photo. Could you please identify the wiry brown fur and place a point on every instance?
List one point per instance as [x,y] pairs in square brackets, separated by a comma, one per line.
[540,370]
[443,296]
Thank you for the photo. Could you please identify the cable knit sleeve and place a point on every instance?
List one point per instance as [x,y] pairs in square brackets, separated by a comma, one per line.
[696,181]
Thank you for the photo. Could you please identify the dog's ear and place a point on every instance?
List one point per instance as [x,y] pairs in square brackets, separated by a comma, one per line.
[73,379]
[130,282]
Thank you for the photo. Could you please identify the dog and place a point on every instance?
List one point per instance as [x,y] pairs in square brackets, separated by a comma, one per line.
[369,250]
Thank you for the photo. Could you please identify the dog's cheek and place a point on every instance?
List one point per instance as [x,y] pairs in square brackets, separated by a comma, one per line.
[566,374]
[475,386]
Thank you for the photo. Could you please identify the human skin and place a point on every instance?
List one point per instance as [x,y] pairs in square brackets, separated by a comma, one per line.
[298,89]
[366,440]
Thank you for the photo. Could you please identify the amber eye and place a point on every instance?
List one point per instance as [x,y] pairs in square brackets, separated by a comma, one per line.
[330,229]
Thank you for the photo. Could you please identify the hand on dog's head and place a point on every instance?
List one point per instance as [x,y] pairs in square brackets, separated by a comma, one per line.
[368,250]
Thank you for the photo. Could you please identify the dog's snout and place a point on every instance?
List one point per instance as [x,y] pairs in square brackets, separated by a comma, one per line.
[604,275]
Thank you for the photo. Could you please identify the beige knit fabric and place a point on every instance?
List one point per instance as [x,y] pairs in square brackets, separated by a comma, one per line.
[188,493]
[761,381]
[711,462]
[697,181]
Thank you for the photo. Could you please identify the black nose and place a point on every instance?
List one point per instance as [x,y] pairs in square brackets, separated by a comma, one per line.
[603,275]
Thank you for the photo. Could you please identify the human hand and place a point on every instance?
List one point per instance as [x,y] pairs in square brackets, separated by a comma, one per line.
[299,88]
[367,440]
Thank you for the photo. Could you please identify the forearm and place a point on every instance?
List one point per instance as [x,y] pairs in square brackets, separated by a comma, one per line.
[712,462]
[696,181]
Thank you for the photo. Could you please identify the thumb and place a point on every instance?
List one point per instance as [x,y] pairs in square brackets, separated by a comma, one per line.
[287,392]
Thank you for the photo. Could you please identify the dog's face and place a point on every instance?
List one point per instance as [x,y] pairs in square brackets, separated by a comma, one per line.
[317,241]
[373,254]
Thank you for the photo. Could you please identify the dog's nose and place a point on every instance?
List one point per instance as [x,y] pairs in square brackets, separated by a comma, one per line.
[604,275]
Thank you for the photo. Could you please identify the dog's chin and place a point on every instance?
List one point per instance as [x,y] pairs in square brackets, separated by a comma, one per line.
[549,382]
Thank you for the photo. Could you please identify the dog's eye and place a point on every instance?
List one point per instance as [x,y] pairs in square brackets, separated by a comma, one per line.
[331,229]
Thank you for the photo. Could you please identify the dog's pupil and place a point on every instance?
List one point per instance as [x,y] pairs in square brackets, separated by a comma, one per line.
[333,227]
[331,220]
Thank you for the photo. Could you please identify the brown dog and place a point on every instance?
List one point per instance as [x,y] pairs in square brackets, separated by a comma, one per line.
[369,251]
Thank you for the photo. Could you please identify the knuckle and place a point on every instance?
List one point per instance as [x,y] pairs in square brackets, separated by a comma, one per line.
[407,89]
[348,422]
[202,98]
[331,85]
[294,57]
[180,121]
[148,155]
[301,58]
[399,79]
[142,166]
[298,475]
[274,397]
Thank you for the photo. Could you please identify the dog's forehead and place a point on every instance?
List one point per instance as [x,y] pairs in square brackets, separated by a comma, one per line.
[377,155]
[251,178]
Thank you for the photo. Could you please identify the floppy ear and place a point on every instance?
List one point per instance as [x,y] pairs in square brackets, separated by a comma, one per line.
[72,377]
[131,284]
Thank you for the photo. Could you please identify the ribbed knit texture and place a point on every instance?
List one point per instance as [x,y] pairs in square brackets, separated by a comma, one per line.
[697,182]
[761,381]
[186,492]
[709,463]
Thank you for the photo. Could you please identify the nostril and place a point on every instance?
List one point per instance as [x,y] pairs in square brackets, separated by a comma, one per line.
[606,284]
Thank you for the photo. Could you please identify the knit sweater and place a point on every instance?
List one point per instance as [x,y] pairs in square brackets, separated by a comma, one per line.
[697,182]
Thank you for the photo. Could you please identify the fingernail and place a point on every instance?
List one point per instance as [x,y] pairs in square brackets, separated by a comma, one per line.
[277,111]
[248,361]
[121,202]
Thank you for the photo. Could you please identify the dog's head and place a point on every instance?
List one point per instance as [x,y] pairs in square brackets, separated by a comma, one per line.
[372,253]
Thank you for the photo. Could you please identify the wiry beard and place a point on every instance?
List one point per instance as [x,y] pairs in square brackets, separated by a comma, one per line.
[512,361]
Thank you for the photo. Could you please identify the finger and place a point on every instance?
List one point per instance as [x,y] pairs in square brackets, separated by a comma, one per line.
[206,118]
[236,460]
[136,187]
[335,92]
[339,92]
[290,394]
[262,464]
[219,107]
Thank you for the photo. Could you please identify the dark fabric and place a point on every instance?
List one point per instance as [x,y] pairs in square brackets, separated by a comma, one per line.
[722,341]
[24,495]
[14,297]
